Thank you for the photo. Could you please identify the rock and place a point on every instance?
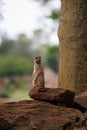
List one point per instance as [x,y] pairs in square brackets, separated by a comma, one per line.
[78,106]
[81,99]
[55,95]
[37,115]
[4,124]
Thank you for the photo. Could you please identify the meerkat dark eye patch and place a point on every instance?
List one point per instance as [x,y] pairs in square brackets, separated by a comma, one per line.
[39,57]
[36,57]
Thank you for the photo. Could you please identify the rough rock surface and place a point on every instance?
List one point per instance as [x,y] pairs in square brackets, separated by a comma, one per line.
[72,34]
[57,95]
[37,115]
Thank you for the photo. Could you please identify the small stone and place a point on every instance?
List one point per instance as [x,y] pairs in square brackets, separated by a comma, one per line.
[55,95]
[82,99]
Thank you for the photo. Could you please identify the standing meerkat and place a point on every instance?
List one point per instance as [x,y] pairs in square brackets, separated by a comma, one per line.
[38,73]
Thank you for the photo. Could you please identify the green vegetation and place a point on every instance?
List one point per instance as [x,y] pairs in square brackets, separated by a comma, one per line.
[20,94]
[14,65]
[15,90]
[17,55]
[55,14]
[52,57]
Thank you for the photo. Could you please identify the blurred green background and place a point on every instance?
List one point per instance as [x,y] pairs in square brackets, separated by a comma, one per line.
[16,56]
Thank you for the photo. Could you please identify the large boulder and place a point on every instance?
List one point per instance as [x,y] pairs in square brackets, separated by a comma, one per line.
[55,95]
[37,115]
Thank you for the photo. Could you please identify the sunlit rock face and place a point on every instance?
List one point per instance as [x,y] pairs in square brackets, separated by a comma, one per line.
[82,99]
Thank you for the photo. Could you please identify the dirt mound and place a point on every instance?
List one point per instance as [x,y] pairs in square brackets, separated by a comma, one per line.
[37,115]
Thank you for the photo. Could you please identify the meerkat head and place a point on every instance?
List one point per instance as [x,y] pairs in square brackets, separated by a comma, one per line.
[37,59]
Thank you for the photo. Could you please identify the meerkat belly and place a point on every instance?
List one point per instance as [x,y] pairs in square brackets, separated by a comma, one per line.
[38,80]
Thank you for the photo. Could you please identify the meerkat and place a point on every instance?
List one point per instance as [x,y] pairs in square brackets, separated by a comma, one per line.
[38,73]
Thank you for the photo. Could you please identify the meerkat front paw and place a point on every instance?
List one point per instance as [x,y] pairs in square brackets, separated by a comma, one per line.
[42,89]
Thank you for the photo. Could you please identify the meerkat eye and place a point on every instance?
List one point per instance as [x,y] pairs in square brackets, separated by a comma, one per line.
[39,57]
[36,57]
